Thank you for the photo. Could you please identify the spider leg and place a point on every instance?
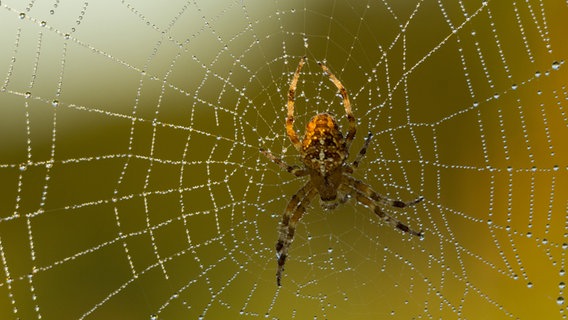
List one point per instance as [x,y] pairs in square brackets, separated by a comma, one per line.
[365,195]
[372,194]
[290,117]
[295,170]
[363,151]
[294,211]
[346,103]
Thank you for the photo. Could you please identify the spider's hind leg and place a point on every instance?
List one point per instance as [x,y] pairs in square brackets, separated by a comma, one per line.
[368,197]
[402,204]
[294,211]
[370,193]
[386,218]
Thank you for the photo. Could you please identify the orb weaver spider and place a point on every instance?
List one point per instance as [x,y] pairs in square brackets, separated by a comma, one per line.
[324,153]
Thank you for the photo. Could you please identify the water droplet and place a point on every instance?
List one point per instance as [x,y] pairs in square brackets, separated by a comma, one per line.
[496,96]
[489,222]
[555,167]
[55,103]
[153,317]
[43,23]
[28,94]
[514,86]
[22,15]
[330,250]
[562,272]
[537,74]
[555,65]
[562,285]
[67,36]
[560,301]
[510,169]
[529,285]
[23,167]
[529,234]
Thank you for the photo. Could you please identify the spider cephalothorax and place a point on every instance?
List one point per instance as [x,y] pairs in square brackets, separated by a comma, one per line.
[324,153]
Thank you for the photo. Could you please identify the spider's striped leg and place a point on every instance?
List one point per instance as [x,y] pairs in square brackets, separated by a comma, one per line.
[364,198]
[344,193]
[294,211]
[346,104]
[363,151]
[387,218]
[295,170]
[372,194]
[290,117]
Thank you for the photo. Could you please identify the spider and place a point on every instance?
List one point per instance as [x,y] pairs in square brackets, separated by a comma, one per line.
[324,153]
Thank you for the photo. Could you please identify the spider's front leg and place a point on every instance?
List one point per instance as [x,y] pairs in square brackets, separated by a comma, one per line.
[350,117]
[294,211]
[290,106]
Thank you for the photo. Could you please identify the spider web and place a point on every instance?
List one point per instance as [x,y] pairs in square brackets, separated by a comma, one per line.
[133,187]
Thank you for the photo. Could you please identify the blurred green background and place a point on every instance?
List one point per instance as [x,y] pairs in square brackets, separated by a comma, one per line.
[133,187]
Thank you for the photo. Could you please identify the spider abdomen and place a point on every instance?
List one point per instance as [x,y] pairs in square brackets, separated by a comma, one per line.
[323,145]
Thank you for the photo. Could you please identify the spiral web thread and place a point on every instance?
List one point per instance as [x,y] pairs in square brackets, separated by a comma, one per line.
[133,185]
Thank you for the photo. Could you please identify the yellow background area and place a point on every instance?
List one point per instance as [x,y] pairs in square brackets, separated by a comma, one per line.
[132,186]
